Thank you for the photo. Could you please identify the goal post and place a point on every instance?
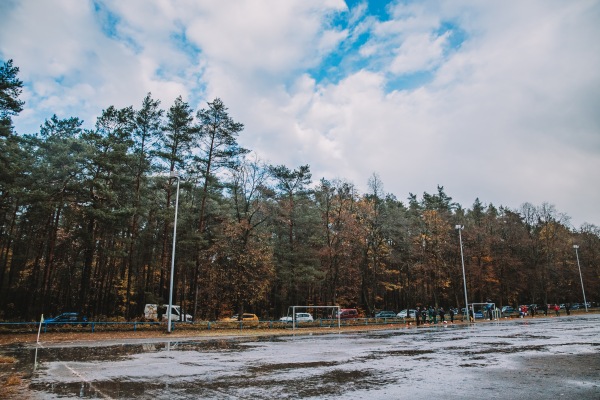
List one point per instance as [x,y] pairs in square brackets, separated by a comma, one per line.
[335,309]
[485,307]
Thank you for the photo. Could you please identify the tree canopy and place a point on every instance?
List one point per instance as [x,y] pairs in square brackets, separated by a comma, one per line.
[86,224]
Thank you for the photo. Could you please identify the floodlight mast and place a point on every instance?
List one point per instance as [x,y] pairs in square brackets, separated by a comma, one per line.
[173,175]
[462,259]
[576,247]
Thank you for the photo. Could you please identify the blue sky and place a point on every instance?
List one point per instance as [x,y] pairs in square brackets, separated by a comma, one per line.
[496,100]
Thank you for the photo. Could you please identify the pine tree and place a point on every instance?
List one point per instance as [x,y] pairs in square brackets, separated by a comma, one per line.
[217,142]
[10,90]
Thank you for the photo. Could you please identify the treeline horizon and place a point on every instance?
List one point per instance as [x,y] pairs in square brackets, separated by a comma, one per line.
[86,224]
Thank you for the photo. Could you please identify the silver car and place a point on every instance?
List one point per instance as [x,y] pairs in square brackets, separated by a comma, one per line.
[407,314]
[300,317]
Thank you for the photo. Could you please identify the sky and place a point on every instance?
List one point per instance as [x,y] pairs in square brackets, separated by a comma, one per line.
[496,100]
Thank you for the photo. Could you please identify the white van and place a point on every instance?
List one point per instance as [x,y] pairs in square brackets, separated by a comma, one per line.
[152,312]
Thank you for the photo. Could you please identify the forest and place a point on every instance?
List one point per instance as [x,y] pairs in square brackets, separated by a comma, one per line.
[87,224]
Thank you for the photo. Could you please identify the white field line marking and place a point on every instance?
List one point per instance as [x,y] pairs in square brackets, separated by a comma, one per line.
[100,392]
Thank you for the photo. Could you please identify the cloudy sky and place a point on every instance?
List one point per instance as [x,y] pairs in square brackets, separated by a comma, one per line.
[492,99]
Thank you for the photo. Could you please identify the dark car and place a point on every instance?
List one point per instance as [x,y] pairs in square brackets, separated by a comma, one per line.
[385,314]
[346,313]
[68,317]
[507,310]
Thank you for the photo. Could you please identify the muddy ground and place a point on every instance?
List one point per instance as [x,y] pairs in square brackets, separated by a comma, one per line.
[540,358]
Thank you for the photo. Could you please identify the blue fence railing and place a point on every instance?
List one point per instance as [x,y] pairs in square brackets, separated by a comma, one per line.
[7,326]
[93,326]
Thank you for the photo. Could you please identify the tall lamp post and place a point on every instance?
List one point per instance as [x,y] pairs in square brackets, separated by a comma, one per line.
[174,175]
[576,247]
[462,259]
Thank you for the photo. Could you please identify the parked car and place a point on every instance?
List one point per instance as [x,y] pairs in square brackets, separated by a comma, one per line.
[245,317]
[407,314]
[68,317]
[507,310]
[156,312]
[300,317]
[385,314]
[346,313]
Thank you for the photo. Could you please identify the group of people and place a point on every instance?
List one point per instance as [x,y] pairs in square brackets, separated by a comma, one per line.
[430,315]
[533,310]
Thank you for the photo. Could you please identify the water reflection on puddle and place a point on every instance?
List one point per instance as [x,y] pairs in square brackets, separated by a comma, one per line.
[372,364]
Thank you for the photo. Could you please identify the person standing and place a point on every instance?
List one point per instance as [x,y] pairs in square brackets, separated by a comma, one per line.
[451,315]
[417,315]
[557,309]
[442,315]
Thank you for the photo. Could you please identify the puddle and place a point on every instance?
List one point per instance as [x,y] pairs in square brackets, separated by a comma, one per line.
[111,389]
[410,363]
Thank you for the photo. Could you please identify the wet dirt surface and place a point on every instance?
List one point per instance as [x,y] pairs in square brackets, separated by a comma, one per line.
[547,358]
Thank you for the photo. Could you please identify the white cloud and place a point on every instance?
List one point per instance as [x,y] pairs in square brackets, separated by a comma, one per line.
[509,116]
[419,53]
[264,36]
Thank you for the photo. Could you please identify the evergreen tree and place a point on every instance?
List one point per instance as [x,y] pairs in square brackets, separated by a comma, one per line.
[217,142]
[10,90]
[295,231]
[107,210]
[174,151]
[145,133]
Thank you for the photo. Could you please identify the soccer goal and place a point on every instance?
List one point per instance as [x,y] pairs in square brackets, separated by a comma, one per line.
[335,313]
[484,307]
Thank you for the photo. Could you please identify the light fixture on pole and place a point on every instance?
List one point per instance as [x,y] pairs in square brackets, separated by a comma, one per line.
[174,175]
[576,247]
[462,259]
